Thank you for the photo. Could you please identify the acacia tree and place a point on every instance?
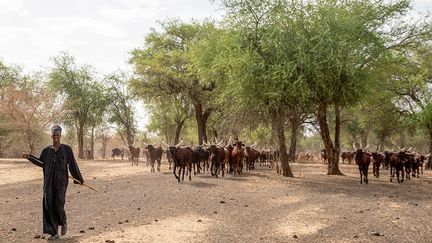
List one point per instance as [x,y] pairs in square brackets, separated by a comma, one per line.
[80,93]
[120,109]
[340,46]
[412,85]
[162,68]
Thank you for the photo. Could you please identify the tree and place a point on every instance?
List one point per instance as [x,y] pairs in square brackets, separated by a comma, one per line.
[168,116]
[163,69]
[80,92]
[28,107]
[121,106]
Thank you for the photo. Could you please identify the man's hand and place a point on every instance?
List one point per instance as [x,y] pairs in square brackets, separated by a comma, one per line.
[78,182]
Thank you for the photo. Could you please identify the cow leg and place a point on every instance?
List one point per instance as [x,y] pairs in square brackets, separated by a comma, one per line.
[158,165]
[365,174]
[361,175]
[174,172]
[391,173]
[190,171]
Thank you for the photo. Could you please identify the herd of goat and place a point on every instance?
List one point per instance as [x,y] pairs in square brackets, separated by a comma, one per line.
[231,157]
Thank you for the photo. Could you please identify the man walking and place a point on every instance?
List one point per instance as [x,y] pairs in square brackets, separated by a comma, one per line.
[57,159]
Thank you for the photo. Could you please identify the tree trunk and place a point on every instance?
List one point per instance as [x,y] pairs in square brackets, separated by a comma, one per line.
[201,118]
[331,152]
[104,145]
[429,162]
[364,136]
[295,125]
[92,144]
[179,126]
[80,137]
[283,155]
[129,136]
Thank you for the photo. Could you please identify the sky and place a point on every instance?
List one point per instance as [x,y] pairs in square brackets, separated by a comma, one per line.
[100,33]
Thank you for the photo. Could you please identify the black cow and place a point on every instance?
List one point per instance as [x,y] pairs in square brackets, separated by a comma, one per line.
[378,158]
[182,158]
[117,152]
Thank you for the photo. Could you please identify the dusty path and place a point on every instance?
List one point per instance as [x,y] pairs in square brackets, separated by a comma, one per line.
[135,205]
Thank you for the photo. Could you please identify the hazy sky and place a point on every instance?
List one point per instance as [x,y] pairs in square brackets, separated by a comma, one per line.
[100,33]
[96,32]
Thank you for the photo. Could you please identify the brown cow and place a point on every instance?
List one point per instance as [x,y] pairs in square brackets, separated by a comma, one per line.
[251,156]
[155,154]
[363,160]
[134,154]
[238,155]
[182,158]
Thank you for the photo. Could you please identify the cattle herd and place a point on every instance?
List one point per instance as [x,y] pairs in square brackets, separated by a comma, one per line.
[219,158]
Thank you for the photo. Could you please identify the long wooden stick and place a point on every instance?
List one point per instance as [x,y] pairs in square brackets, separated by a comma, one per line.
[29,157]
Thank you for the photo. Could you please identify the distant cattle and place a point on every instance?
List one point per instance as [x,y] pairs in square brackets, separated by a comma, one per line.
[134,154]
[117,152]
[348,156]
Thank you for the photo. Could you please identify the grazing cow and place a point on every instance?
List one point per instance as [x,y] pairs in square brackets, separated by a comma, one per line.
[378,158]
[362,159]
[238,155]
[134,152]
[155,154]
[182,158]
[117,152]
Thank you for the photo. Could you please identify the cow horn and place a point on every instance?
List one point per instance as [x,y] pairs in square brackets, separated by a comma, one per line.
[428,155]
[179,144]
[229,142]
[354,147]
[163,142]
[409,149]
[253,145]
[367,146]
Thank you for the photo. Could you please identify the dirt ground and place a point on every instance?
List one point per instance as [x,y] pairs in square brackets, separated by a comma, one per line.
[135,205]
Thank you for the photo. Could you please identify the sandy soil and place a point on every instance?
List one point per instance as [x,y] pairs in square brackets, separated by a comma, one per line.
[134,205]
